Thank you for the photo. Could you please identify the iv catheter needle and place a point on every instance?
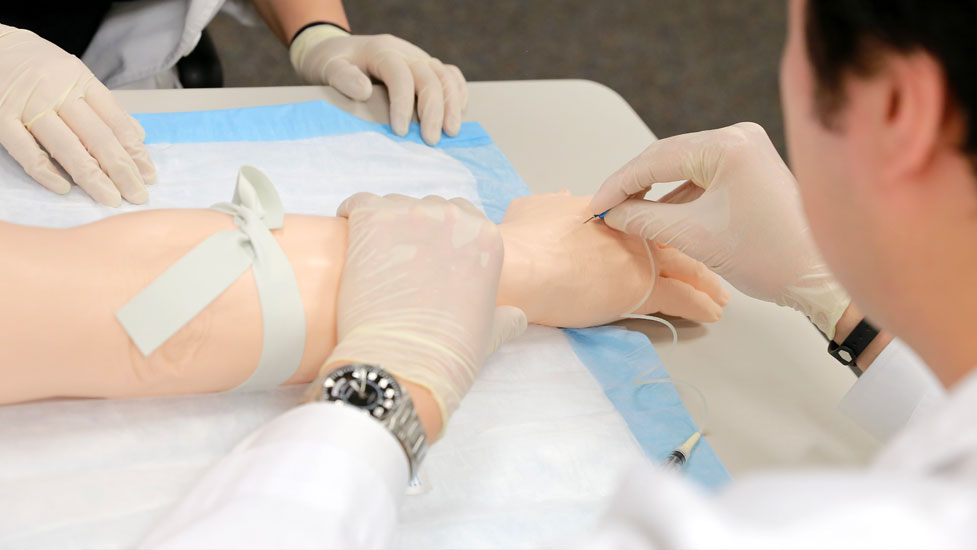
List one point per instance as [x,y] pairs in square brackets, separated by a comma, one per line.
[601,215]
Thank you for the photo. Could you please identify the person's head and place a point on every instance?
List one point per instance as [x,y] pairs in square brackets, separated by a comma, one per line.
[880,107]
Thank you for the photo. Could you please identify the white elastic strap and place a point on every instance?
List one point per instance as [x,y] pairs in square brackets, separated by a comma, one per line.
[204,273]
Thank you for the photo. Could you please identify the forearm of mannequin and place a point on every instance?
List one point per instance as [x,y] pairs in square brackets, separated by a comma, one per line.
[286,17]
[62,287]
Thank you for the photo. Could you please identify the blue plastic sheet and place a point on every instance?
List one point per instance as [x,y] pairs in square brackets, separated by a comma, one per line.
[654,413]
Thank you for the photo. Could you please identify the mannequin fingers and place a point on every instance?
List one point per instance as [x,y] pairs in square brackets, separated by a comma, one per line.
[463,85]
[674,297]
[126,129]
[65,147]
[392,69]
[672,263]
[508,324]
[452,98]
[102,144]
[430,101]
[22,147]
[348,79]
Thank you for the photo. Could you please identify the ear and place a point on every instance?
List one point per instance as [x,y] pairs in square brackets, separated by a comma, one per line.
[911,114]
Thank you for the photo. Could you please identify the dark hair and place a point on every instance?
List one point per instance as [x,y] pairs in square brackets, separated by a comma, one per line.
[847,37]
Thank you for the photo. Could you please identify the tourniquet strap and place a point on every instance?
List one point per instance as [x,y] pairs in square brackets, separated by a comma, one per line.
[198,278]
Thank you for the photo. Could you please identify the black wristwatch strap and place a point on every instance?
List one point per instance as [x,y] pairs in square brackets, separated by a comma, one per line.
[314,24]
[848,351]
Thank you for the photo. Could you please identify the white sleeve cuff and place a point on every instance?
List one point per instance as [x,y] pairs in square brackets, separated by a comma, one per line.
[320,475]
[895,388]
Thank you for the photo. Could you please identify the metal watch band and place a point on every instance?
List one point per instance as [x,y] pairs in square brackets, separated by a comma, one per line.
[848,351]
[405,425]
[402,420]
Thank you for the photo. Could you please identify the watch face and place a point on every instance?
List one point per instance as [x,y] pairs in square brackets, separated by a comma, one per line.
[363,386]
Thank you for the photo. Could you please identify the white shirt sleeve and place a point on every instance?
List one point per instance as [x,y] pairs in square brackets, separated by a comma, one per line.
[829,509]
[897,387]
[318,476]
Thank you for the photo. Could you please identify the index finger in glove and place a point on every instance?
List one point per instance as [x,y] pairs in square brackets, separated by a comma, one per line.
[684,157]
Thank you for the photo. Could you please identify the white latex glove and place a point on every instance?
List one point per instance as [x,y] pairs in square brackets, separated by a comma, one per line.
[739,213]
[418,291]
[329,55]
[49,95]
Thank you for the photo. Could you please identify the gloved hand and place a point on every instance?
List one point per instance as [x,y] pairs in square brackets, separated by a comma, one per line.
[329,55]
[739,213]
[48,95]
[418,292]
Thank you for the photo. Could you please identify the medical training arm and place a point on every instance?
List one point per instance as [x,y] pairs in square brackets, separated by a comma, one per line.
[63,338]
[49,99]
[417,297]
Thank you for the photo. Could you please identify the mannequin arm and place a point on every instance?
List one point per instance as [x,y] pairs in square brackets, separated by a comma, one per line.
[62,289]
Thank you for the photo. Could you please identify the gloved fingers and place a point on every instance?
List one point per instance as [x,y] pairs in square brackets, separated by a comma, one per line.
[24,149]
[102,144]
[430,100]
[65,147]
[672,263]
[452,97]
[463,84]
[687,192]
[666,223]
[467,206]
[349,79]
[508,324]
[126,129]
[683,157]
[356,201]
[674,297]
[393,70]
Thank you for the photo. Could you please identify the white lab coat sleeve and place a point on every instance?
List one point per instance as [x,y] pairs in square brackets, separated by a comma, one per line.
[318,476]
[830,509]
[896,388]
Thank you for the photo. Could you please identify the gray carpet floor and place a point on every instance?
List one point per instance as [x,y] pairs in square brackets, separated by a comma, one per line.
[684,65]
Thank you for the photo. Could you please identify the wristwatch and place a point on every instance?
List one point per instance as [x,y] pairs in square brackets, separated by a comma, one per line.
[374,391]
[853,346]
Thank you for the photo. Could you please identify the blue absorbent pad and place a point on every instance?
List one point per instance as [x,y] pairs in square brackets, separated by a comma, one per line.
[654,413]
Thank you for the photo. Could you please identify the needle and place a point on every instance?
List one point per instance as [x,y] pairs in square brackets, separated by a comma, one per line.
[601,215]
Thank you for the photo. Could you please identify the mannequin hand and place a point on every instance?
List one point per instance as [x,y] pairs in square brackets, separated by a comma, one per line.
[567,274]
[48,95]
[328,55]
[739,213]
[418,292]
